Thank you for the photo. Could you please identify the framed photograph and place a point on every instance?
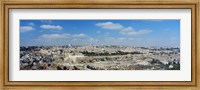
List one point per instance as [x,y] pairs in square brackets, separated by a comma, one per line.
[100,44]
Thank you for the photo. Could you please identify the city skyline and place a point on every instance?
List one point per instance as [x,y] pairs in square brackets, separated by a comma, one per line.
[98,32]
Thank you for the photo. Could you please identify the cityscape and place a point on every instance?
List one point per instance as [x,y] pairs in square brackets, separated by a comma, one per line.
[99,45]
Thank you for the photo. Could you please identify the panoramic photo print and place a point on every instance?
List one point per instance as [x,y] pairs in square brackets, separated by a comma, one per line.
[99,45]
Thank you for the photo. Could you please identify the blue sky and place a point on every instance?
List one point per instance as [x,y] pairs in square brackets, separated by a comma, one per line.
[165,33]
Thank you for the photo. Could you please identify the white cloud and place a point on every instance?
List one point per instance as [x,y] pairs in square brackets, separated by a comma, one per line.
[98,32]
[121,38]
[122,29]
[26,28]
[133,32]
[80,35]
[110,25]
[64,39]
[128,29]
[55,27]
[62,36]
[54,36]
[31,24]
[143,31]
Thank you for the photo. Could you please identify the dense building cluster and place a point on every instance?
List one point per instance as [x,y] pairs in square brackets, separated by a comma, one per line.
[101,57]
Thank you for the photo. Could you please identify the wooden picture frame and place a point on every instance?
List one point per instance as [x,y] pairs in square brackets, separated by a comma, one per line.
[4,63]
